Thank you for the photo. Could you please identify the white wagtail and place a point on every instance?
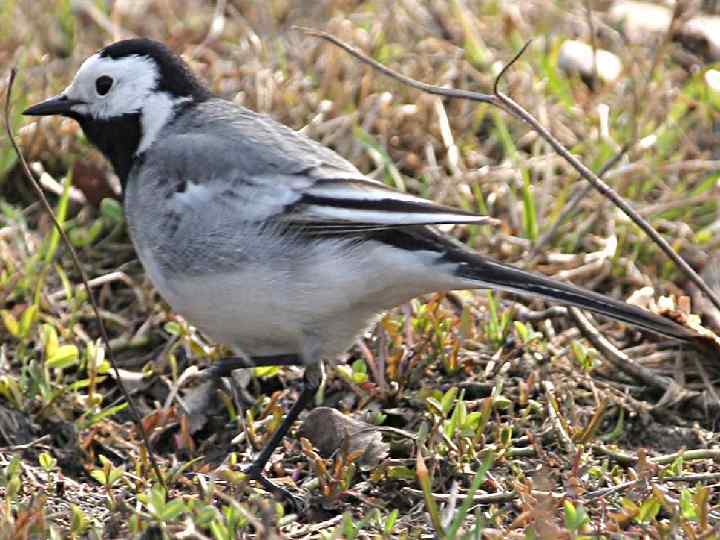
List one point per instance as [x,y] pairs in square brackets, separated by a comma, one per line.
[264,239]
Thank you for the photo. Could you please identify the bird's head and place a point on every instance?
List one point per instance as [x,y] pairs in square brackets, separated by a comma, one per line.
[123,95]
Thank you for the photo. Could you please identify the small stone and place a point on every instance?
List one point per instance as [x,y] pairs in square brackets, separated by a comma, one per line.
[712,79]
[577,57]
[131,8]
[15,427]
[329,431]
[641,21]
[701,35]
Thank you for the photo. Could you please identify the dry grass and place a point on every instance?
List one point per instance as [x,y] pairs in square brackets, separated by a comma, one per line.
[578,447]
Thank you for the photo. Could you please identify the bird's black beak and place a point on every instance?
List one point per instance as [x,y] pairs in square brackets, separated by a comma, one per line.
[59,104]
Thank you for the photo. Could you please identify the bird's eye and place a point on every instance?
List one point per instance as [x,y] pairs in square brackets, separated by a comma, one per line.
[103,84]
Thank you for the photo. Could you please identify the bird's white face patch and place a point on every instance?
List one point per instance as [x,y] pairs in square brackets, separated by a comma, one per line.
[133,90]
[134,79]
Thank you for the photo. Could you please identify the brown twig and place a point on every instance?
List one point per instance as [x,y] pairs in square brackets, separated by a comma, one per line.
[572,204]
[625,458]
[614,197]
[508,105]
[618,358]
[418,85]
[478,498]
[83,276]
[672,391]
[555,420]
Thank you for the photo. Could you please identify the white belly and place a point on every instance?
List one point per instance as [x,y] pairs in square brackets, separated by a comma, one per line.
[327,296]
[238,310]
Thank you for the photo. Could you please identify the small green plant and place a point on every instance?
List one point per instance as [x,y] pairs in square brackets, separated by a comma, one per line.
[80,523]
[497,325]
[575,517]
[108,476]
[583,355]
[459,519]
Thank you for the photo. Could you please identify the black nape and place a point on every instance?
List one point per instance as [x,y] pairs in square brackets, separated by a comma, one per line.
[176,78]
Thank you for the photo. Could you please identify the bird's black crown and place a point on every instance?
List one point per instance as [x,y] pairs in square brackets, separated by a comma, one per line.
[176,77]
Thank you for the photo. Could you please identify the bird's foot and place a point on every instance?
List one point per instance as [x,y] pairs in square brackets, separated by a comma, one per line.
[225,366]
[297,504]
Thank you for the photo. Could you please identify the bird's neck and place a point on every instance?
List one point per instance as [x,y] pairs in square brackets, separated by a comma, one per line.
[117,138]
[123,139]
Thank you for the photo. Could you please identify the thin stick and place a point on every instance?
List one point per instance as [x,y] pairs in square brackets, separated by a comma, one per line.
[572,204]
[672,391]
[83,276]
[616,199]
[554,418]
[619,359]
[418,85]
[507,104]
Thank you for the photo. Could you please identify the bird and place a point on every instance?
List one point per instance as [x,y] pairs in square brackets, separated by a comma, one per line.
[263,238]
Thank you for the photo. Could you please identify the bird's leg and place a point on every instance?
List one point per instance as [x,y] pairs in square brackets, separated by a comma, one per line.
[225,366]
[255,471]
[311,383]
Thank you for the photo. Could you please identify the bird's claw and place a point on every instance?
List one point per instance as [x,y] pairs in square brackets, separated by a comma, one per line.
[297,504]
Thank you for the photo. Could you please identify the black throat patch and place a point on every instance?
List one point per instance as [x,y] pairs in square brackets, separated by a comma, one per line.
[117,138]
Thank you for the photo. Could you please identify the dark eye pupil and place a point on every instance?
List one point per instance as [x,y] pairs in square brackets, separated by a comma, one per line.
[103,84]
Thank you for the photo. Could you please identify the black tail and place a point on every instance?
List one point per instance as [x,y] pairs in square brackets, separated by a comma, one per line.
[496,275]
[479,272]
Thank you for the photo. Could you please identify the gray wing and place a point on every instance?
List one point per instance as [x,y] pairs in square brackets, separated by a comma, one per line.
[267,171]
